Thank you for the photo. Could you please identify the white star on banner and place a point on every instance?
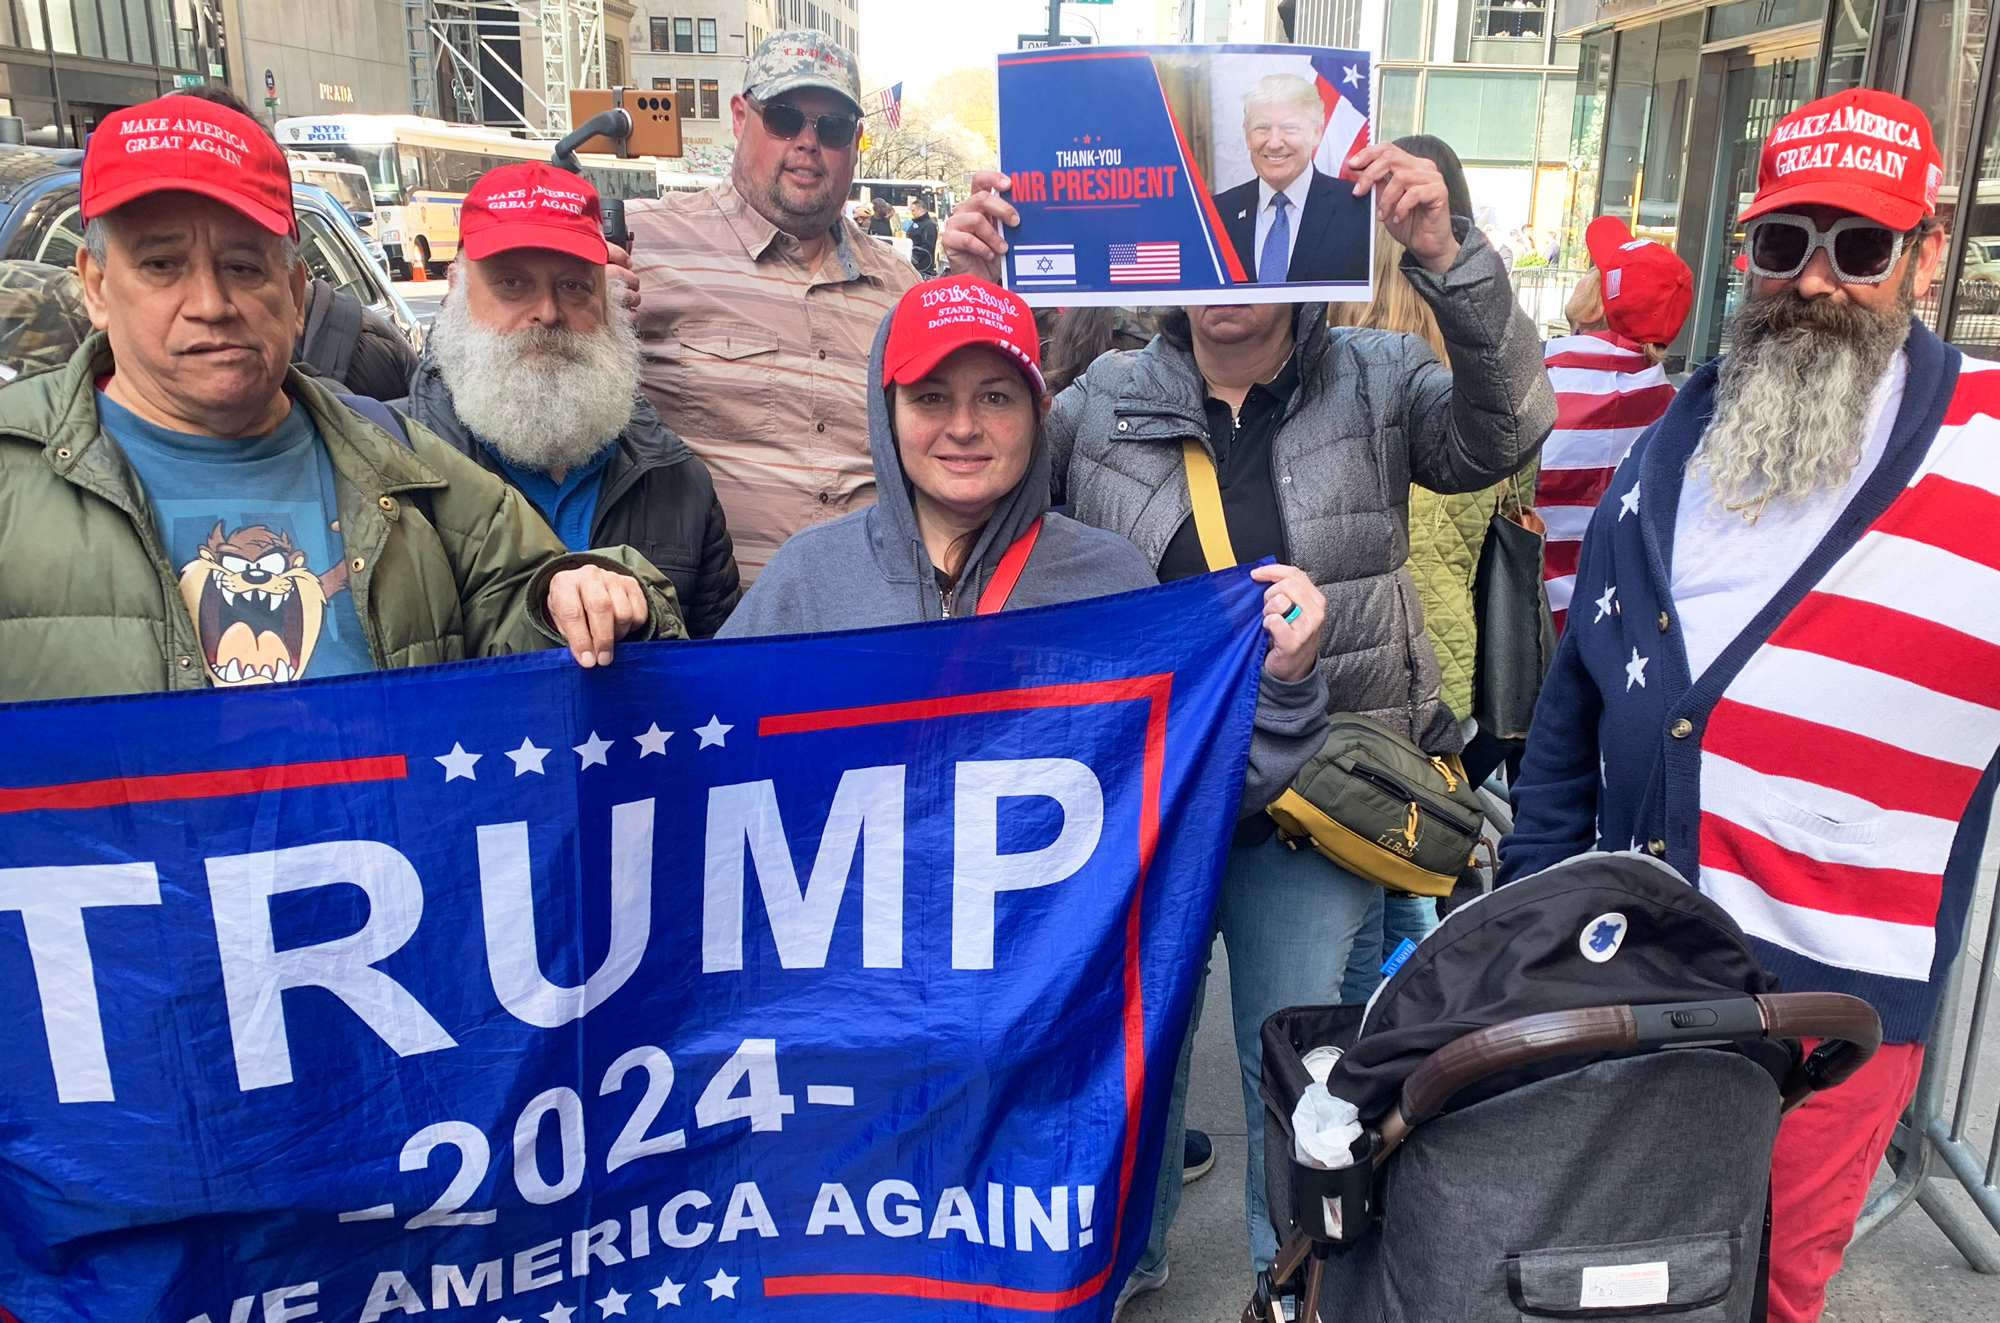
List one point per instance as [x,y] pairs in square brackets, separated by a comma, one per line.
[1604,603]
[613,1301]
[560,1314]
[1353,76]
[504,1319]
[458,763]
[668,1292]
[653,740]
[528,758]
[722,1284]
[713,732]
[1629,502]
[1635,671]
[592,751]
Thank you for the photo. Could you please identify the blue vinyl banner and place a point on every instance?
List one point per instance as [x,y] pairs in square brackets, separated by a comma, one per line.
[1186,174]
[823,977]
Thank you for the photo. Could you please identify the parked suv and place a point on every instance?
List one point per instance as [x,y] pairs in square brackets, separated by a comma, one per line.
[40,222]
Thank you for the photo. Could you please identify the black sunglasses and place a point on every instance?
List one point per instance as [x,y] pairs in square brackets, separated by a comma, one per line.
[787,121]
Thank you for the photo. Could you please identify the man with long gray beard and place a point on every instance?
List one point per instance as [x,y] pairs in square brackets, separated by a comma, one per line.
[1781,673]
[531,372]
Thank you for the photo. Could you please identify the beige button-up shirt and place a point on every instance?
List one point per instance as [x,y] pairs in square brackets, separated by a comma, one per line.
[760,362]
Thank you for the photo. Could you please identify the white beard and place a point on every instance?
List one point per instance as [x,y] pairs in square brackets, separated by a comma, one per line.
[547,400]
[1793,398]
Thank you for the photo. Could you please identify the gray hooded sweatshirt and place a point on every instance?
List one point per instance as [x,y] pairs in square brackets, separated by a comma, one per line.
[871,568]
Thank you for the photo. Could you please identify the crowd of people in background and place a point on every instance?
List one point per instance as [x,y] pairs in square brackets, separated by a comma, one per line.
[747,426]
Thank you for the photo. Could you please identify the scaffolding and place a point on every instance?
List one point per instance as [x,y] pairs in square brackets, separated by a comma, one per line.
[447,40]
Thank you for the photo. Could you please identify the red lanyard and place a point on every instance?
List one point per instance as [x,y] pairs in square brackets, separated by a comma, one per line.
[1008,572]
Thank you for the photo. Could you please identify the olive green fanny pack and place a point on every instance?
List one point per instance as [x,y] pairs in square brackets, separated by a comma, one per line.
[1370,799]
[1378,806]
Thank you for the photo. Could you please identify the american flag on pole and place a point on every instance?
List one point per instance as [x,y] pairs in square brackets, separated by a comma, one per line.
[1145,263]
[1342,82]
[889,103]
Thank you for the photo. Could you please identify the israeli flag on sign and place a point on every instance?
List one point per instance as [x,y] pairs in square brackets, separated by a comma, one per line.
[1044,265]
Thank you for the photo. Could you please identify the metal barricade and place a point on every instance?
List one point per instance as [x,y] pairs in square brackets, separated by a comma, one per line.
[1541,292]
[1934,1141]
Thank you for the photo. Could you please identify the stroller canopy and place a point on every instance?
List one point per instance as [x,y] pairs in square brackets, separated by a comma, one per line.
[1594,930]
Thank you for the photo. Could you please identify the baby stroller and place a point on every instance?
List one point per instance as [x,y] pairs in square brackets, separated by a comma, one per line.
[1567,1095]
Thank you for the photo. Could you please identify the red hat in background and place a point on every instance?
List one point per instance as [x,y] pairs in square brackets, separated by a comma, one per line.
[1860,150]
[951,312]
[188,145]
[1647,288]
[532,205]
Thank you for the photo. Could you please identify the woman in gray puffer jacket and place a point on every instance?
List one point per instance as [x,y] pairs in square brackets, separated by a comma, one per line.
[1316,436]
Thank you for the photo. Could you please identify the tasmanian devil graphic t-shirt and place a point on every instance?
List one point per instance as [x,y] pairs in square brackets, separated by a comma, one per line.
[251,527]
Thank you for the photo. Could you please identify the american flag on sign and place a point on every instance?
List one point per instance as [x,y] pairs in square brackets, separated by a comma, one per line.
[889,102]
[1145,263]
[1342,82]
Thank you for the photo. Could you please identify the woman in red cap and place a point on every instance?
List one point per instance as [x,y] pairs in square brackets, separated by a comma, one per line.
[962,524]
[1609,381]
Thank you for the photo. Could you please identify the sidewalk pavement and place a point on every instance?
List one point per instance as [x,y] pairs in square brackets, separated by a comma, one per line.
[1907,1273]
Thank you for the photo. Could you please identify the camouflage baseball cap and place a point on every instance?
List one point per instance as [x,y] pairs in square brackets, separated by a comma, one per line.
[42,318]
[802,57]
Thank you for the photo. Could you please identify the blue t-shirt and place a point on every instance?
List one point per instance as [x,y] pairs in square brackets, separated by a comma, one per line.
[251,527]
[570,506]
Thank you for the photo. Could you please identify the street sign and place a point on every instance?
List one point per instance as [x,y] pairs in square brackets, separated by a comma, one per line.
[1035,41]
[270,83]
[188,80]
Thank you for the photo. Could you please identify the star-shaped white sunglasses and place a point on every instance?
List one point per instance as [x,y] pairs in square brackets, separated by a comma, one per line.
[1863,252]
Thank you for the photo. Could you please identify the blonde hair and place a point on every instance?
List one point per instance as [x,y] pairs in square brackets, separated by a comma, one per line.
[1281,89]
[1396,306]
[1585,311]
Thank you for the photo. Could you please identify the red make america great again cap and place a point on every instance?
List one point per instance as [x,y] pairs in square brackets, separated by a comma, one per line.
[1860,150]
[187,145]
[533,204]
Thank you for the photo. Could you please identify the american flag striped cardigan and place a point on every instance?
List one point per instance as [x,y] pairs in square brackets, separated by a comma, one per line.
[1829,777]
[1607,394]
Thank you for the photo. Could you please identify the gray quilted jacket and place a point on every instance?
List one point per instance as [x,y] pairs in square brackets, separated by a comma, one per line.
[1384,413]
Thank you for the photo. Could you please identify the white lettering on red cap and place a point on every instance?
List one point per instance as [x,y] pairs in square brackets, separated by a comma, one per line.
[163,134]
[1848,119]
[1849,156]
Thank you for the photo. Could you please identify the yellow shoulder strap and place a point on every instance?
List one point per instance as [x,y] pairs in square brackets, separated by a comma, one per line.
[1209,524]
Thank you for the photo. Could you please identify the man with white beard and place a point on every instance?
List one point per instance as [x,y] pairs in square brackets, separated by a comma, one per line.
[1781,673]
[531,372]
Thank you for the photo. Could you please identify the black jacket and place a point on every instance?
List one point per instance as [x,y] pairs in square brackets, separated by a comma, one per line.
[1333,231]
[655,496]
[353,345]
[923,244]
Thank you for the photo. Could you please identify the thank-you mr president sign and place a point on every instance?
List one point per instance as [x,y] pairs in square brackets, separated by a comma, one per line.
[834,977]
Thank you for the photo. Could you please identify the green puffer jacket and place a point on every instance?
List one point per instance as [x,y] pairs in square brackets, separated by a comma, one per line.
[89,604]
[1446,535]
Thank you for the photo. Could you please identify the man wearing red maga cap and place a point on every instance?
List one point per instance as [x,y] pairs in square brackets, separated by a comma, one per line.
[188,510]
[1781,672]
[532,373]
[1609,384]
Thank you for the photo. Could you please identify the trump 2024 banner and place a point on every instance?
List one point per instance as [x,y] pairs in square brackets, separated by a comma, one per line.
[1186,174]
[821,977]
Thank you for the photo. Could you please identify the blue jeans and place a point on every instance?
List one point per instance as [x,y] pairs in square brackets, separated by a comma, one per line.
[1288,918]
[1391,920]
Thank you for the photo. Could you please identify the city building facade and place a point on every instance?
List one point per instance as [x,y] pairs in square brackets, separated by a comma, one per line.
[698,49]
[65,64]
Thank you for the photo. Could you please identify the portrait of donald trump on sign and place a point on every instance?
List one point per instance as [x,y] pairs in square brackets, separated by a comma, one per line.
[1293,220]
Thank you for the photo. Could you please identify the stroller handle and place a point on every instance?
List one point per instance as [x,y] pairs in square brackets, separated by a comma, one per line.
[1848,1027]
